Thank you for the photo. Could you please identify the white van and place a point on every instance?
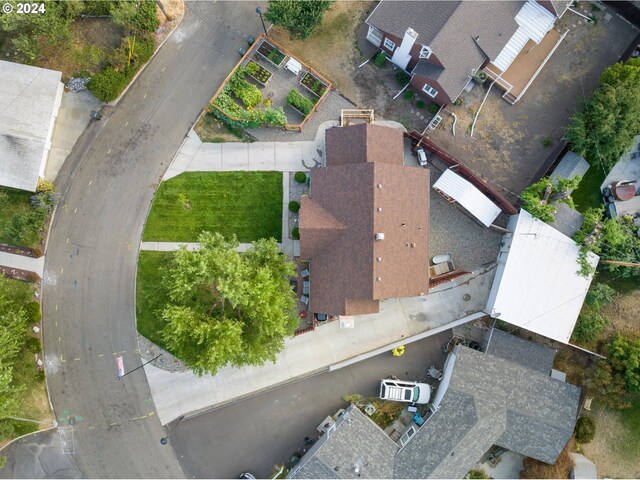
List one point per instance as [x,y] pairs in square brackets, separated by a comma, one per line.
[402,391]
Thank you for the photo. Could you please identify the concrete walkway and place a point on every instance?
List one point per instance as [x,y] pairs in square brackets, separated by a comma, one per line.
[333,345]
[20,262]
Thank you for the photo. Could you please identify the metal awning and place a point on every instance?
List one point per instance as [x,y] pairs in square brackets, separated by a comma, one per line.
[455,188]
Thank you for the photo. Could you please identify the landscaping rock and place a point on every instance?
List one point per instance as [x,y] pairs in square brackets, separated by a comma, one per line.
[78,84]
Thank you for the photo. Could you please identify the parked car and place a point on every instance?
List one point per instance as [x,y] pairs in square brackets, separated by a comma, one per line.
[422,157]
[403,391]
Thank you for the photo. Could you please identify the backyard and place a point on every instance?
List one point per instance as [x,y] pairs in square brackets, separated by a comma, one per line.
[245,204]
[511,142]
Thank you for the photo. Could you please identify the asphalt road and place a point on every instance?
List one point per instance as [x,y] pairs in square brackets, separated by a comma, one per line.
[256,434]
[88,289]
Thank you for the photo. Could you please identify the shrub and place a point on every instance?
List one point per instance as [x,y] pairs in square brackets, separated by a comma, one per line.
[402,78]
[146,18]
[380,59]
[33,344]
[477,474]
[300,103]
[294,206]
[300,177]
[252,68]
[32,310]
[144,49]
[409,95]
[97,7]
[420,104]
[585,430]
[589,326]
[275,116]
[547,142]
[433,108]
[245,91]
[295,233]
[107,84]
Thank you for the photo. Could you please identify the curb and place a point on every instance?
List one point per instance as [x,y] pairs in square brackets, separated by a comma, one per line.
[28,434]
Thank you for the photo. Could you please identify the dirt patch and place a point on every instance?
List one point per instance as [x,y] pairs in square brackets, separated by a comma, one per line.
[624,313]
[511,142]
[332,48]
[605,449]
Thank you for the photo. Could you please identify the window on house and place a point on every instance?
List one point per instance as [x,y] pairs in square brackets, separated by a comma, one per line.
[389,44]
[407,436]
[429,90]
[425,52]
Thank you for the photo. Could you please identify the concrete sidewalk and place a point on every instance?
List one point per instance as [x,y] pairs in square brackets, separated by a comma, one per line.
[335,344]
[20,262]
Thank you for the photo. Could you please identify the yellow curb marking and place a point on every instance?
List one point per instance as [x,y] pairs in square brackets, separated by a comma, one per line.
[126,123]
[76,359]
[101,355]
[108,151]
[90,182]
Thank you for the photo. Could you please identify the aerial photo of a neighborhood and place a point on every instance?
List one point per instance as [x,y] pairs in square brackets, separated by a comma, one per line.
[320,239]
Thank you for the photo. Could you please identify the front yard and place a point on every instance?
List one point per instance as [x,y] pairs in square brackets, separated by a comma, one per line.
[150,297]
[245,204]
[20,223]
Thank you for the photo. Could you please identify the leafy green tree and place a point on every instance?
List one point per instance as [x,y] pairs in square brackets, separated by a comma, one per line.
[585,430]
[537,198]
[613,379]
[605,126]
[226,307]
[299,17]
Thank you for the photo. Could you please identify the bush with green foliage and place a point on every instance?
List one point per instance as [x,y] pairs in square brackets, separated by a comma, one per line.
[420,104]
[585,430]
[146,18]
[402,78]
[237,117]
[478,474]
[434,108]
[591,321]
[299,18]
[32,311]
[33,344]
[533,197]
[609,119]
[248,93]
[295,233]
[294,206]
[108,84]
[299,102]
[300,177]
[409,95]
[380,59]
[27,227]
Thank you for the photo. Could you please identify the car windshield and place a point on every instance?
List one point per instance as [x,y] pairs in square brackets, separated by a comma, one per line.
[416,393]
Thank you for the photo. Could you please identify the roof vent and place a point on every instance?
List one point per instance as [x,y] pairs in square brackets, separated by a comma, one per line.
[379,259]
[379,279]
[379,236]
[413,245]
[379,185]
[379,209]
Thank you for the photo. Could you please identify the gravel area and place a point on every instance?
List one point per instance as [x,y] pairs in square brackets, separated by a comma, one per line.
[452,231]
[168,362]
[296,190]
[329,109]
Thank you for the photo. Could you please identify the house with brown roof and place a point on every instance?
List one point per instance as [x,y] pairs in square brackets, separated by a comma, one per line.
[444,44]
[364,227]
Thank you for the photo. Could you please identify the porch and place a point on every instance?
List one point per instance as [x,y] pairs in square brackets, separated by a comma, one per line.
[525,67]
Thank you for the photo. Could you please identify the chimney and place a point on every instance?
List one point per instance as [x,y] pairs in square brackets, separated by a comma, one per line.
[402,54]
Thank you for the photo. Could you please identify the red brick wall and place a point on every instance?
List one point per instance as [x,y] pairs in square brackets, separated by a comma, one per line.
[416,84]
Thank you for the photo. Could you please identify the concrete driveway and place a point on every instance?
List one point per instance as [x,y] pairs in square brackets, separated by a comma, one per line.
[106,188]
[258,433]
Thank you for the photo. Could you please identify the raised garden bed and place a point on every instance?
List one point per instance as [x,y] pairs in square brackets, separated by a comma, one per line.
[299,102]
[313,84]
[271,53]
[258,72]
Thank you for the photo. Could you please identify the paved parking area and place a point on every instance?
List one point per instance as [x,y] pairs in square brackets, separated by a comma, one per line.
[508,145]
[273,425]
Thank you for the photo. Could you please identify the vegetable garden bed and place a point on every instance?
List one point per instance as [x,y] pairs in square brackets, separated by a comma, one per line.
[300,103]
[271,53]
[313,84]
[258,72]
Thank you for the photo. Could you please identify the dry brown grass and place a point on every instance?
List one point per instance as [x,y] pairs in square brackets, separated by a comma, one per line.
[331,49]
[624,313]
[561,469]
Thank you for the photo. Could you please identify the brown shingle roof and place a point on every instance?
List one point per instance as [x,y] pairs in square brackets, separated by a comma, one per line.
[355,197]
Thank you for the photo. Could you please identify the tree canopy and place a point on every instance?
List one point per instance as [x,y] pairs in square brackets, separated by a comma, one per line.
[299,17]
[227,307]
[610,118]
[537,198]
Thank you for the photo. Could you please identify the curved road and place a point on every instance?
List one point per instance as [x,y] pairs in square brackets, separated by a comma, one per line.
[88,289]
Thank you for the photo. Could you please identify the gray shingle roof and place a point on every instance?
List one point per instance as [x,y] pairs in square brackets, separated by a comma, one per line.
[489,401]
[571,165]
[521,351]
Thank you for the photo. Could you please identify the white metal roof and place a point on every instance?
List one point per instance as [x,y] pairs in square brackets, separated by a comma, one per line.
[534,22]
[472,199]
[29,102]
[536,285]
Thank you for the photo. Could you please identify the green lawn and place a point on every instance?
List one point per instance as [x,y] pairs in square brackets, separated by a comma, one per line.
[150,296]
[629,445]
[247,204]
[16,203]
[587,195]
